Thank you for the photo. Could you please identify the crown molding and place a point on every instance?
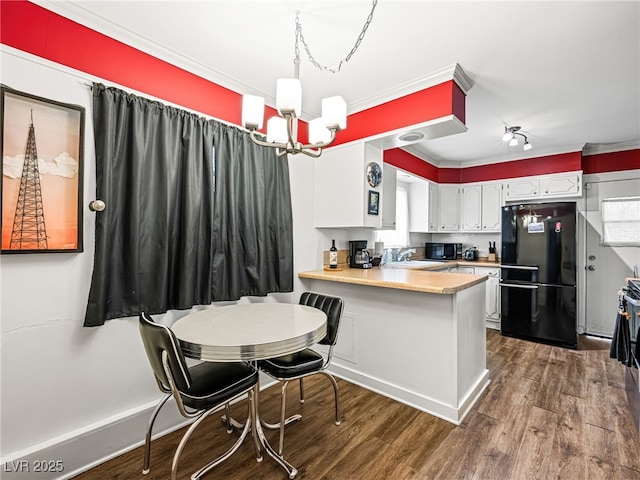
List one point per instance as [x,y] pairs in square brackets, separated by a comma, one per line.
[432,159]
[534,153]
[597,148]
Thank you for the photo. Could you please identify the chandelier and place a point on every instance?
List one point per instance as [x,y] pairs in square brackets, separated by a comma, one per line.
[282,130]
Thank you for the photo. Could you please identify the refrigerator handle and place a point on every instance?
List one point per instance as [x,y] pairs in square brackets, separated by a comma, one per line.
[514,285]
[518,267]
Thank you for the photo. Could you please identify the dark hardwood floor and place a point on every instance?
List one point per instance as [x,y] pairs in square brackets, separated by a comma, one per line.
[549,413]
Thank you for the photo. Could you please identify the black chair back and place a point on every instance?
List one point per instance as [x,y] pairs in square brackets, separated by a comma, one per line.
[332,307]
[158,339]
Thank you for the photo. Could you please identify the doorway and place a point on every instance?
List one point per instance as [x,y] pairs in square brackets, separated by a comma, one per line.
[607,266]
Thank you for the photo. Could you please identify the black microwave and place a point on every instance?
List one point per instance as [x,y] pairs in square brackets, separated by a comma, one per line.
[442,251]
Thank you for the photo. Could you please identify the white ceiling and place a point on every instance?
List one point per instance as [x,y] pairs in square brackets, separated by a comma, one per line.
[568,72]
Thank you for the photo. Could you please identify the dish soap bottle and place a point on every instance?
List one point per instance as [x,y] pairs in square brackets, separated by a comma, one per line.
[333,255]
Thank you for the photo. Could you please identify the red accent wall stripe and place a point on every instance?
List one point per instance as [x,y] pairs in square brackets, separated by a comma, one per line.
[410,163]
[431,103]
[566,162]
[611,162]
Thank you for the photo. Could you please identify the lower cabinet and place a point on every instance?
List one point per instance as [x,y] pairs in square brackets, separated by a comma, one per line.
[492,296]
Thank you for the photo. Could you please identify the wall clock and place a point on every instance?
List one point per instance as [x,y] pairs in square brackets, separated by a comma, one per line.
[374,174]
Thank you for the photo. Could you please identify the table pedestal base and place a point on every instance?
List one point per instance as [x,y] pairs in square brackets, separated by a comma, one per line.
[260,442]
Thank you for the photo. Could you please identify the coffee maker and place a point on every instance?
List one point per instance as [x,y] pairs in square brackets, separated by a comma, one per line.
[358,254]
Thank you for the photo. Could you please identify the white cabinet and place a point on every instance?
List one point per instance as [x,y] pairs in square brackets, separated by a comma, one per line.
[471,208]
[491,207]
[522,189]
[423,206]
[342,192]
[434,207]
[492,296]
[389,178]
[481,207]
[449,209]
[559,185]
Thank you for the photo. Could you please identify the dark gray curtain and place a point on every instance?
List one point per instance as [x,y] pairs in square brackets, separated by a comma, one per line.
[181,227]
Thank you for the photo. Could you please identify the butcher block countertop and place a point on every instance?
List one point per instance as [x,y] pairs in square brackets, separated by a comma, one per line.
[418,280]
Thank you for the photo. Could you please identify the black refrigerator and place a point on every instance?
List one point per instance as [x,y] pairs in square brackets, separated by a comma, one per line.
[538,273]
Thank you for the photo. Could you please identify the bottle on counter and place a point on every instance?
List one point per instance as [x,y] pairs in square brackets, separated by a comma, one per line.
[333,255]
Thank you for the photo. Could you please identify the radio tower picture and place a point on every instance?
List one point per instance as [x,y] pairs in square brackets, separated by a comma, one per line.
[29,232]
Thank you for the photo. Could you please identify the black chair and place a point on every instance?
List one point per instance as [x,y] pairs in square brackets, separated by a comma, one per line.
[199,390]
[307,362]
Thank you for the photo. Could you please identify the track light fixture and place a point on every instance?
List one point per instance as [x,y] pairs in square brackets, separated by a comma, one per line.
[510,136]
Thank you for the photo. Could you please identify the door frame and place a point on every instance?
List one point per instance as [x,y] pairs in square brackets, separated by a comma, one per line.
[581,265]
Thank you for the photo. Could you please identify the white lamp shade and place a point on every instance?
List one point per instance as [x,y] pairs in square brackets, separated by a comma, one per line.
[277,130]
[334,112]
[513,142]
[252,111]
[527,146]
[289,96]
[318,132]
[507,136]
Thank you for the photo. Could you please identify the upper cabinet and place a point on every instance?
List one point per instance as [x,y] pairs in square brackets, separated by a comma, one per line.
[423,206]
[349,180]
[449,211]
[559,185]
[389,182]
[481,207]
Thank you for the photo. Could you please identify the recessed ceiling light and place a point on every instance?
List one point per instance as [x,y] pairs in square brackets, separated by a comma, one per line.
[411,136]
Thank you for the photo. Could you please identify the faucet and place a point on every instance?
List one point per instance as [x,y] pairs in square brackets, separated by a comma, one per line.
[407,253]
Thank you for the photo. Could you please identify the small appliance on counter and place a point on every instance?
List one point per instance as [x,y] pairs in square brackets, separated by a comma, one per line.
[471,254]
[442,251]
[358,254]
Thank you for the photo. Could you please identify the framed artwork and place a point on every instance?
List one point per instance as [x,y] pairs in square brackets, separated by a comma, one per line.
[374,200]
[42,160]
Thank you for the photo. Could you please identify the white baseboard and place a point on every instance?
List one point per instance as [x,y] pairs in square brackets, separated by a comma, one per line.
[413,399]
[78,451]
[69,455]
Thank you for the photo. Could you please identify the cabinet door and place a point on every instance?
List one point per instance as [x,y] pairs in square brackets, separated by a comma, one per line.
[523,189]
[471,207]
[491,206]
[449,211]
[341,187]
[562,186]
[492,292]
[389,177]
[418,194]
[434,206]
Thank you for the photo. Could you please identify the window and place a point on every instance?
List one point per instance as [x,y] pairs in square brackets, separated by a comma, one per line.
[621,222]
[400,236]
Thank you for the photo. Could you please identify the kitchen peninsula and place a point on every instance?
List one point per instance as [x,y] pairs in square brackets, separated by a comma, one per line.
[413,335]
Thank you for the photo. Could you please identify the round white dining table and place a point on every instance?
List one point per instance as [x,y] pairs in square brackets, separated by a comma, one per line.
[251,332]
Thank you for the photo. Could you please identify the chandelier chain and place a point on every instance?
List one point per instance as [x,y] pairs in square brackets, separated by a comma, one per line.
[335,68]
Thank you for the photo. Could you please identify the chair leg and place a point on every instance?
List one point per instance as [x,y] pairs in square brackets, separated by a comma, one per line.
[147,441]
[227,414]
[245,431]
[301,391]
[335,391]
[283,403]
